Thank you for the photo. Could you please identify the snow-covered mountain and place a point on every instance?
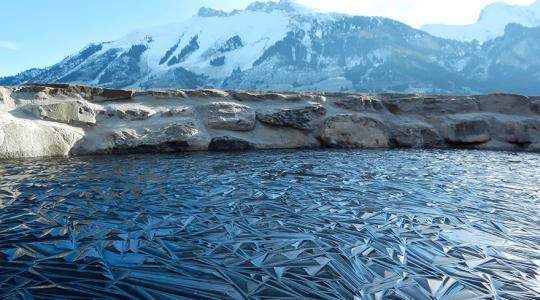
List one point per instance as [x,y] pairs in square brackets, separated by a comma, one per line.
[283,46]
[491,23]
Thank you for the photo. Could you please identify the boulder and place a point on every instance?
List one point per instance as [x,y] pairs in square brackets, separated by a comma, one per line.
[227,143]
[505,104]
[513,132]
[25,138]
[169,138]
[299,118]
[468,131]
[354,131]
[228,116]
[416,136]
[180,131]
[360,103]
[68,112]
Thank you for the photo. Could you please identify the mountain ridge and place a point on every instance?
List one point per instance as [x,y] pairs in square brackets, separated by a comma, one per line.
[283,46]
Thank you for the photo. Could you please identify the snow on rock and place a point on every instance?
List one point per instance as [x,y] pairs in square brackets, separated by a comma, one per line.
[238,38]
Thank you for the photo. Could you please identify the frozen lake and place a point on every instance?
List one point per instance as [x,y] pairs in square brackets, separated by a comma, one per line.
[272,225]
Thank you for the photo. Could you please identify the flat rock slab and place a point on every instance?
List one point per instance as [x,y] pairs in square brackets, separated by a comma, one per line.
[430,105]
[228,116]
[70,112]
[97,94]
[299,118]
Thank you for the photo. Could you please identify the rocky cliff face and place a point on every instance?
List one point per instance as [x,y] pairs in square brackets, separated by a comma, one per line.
[57,120]
[281,46]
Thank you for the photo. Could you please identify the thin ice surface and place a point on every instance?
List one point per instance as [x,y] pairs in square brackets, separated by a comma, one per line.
[273,225]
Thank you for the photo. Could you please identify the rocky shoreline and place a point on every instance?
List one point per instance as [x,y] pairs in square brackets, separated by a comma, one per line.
[59,120]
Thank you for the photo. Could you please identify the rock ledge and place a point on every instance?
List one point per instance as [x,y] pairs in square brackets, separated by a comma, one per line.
[61,119]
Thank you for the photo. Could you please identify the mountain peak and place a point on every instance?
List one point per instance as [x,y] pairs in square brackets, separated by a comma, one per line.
[283,5]
[491,22]
[286,6]
[493,9]
[211,12]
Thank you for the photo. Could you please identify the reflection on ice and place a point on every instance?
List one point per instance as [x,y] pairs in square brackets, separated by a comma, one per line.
[298,224]
[472,237]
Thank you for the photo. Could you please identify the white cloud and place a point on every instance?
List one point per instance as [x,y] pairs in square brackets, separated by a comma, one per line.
[9,46]
[413,12]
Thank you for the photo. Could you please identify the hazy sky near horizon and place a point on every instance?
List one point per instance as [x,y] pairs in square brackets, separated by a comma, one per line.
[37,33]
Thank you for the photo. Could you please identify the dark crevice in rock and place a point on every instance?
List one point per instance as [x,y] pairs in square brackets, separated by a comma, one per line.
[229,144]
[173,146]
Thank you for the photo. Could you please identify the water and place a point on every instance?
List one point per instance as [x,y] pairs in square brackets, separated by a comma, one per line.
[275,225]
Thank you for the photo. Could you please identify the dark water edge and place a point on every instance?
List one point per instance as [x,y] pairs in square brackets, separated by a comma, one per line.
[326,224]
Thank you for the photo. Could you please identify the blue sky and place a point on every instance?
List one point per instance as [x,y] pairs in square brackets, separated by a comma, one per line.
[39,33]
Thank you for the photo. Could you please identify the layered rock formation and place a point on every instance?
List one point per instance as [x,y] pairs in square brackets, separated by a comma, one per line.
[57,120]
